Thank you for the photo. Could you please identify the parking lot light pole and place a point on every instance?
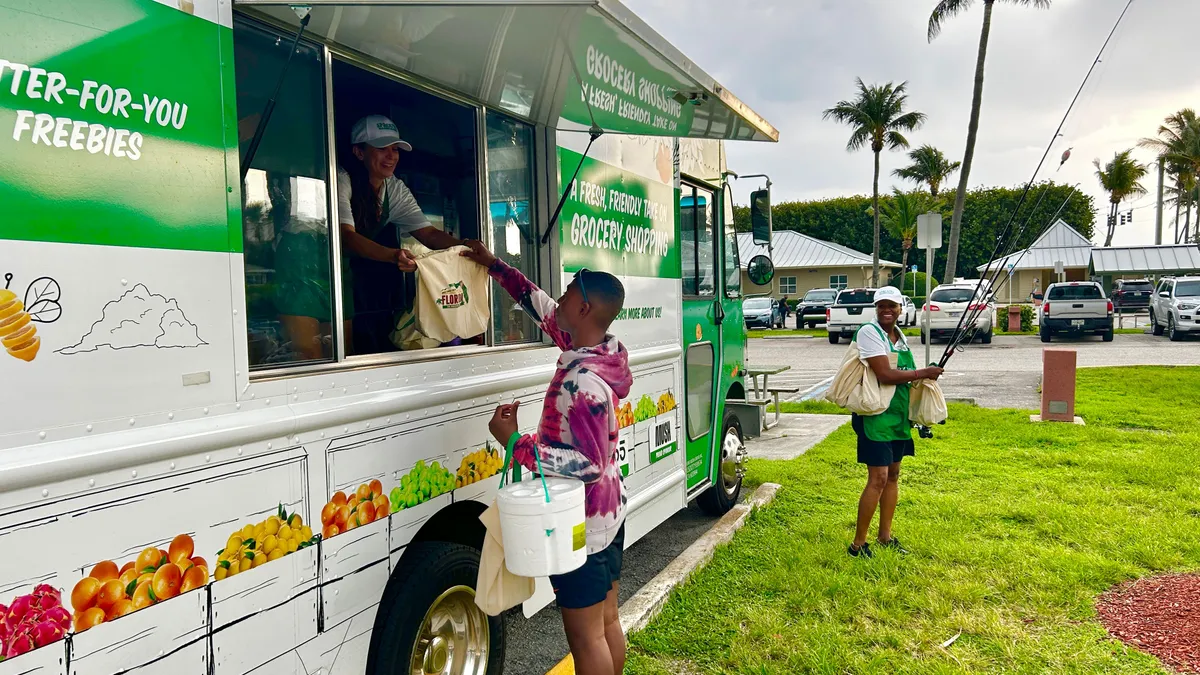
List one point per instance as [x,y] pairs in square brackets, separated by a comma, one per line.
[929,237]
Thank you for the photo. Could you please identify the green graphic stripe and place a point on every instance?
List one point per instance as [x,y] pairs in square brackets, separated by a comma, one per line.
[617,221]
[80,159]
[663,452]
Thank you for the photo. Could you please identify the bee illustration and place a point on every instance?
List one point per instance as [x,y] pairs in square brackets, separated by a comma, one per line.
[18,335]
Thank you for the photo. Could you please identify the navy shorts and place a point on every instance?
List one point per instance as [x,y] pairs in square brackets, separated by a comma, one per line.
[879,453]
[589,585]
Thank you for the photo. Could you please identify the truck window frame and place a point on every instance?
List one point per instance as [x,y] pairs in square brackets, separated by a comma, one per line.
[329,53]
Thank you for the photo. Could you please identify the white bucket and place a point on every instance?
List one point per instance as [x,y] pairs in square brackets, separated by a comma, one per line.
[543,538]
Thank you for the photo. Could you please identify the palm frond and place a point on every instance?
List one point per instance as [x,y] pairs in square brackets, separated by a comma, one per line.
[943,12]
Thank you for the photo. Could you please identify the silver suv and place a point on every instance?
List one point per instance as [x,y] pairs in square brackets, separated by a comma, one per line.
[1175,307]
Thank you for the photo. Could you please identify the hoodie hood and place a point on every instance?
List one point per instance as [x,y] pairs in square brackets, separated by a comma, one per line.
[609,361]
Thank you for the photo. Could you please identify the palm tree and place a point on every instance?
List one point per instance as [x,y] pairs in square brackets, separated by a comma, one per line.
[877,118]
[929,166]
[1178,144]
[899,216]
[1121,178]
[944,10]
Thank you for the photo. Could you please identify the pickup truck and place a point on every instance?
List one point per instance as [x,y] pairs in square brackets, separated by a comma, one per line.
[852,308]
[1077,308]
[811,310]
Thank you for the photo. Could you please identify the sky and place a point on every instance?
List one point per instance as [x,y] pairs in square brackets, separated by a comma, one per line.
[789,60]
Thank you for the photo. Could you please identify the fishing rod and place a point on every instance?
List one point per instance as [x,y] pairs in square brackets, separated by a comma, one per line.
[1049,147]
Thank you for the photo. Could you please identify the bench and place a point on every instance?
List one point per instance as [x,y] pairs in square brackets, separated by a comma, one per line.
[775,392]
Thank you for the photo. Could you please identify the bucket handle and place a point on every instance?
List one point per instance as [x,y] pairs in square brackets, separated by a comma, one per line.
[508,460]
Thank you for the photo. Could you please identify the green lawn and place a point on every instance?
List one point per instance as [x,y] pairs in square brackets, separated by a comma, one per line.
[1013,529]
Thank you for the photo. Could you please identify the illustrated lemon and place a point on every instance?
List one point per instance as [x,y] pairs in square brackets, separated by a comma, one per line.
[272,525]
[306,533]
[296,522]
[260,530]
[221,573]
[245,564]
[276,554]
[235,542]
[259,560]
[285,532]
[248,532]
[293,544]
[270,543]
[234,568]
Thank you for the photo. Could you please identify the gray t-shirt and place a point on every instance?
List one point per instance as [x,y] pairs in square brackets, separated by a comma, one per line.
[871,342]
[403,209]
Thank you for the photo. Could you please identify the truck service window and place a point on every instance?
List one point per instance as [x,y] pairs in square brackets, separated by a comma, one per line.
[285,214]
[510,202]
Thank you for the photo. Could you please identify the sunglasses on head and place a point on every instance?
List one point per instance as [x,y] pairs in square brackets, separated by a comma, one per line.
[579,282]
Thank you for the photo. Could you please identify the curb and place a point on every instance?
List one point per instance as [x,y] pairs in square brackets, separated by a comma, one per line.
[649,600]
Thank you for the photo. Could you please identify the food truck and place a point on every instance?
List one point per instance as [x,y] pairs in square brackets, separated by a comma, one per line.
[226,446]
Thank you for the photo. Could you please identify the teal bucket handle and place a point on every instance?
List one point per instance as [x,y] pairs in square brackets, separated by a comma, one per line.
[508,459]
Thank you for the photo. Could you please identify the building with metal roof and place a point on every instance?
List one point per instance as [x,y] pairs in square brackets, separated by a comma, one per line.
[803,263]
[1026,273]
[1147,261]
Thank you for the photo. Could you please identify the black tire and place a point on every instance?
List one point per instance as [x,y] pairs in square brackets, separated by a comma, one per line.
[426,571]
[724,494]
[1108,335]
[987,337]
[923,337]
[1156,327]
[1045,333]
[834,338]
[1173,333]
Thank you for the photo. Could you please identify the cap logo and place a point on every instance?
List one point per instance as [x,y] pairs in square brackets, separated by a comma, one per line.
[384,126]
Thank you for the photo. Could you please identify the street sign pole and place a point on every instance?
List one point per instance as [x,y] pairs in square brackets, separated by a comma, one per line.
[929,237]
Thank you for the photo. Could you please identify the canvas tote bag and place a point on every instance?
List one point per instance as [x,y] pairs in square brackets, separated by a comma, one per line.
[926,404]
[497,589]
[452,296]
[856,388]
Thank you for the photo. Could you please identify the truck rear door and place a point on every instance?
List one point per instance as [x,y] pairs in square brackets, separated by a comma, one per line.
[1078,302]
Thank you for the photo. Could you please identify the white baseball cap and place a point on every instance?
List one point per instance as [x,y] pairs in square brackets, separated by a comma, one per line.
[377,131]
[889,294]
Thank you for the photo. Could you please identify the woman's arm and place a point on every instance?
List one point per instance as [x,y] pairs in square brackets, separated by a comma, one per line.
[436,239]
[363,247]
[887,375]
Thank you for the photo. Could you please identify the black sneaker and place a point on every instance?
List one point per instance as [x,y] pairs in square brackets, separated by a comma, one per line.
[863,551]
[894,544]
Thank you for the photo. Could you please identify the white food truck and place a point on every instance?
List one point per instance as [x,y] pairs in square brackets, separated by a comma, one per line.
[225,445]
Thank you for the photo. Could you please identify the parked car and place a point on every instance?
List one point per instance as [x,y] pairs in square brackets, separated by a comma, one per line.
[811,310]
[1077,308]
[908,313]
[1132,294]
[1175,307]
[852,308]
[762,313]
[946,306]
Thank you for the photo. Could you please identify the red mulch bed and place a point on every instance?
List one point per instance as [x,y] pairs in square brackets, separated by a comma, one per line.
[1159,615]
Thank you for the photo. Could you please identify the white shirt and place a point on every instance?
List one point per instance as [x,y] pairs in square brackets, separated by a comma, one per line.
[403,209]
[871,342]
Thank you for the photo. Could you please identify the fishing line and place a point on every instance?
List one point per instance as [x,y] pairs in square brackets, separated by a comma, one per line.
[1057,132]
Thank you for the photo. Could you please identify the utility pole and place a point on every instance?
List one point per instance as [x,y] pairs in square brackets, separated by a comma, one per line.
[1158,219]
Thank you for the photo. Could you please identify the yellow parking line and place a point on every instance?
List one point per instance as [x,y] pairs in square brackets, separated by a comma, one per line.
[564,667]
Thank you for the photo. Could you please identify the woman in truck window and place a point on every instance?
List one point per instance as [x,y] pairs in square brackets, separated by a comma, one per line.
[885,439]
[375,210]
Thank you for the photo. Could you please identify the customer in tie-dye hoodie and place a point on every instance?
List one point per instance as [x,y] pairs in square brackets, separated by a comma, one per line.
[577,438]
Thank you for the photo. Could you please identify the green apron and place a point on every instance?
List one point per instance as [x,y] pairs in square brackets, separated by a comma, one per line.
[892,424]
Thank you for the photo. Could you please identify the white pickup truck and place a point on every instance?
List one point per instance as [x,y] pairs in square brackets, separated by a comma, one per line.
[852,308]
[1076,308]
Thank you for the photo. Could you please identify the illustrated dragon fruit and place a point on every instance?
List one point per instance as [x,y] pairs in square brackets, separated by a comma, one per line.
[32,621]
[20,644]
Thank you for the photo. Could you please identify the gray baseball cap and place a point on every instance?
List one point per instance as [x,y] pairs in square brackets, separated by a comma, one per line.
[377,131]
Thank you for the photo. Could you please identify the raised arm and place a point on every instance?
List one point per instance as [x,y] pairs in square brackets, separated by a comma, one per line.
[537,303]
[589,449]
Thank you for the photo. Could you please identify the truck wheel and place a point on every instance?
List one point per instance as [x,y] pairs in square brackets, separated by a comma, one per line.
[987,337]
[722,496]
[1107,336]
[428,621]
[834,338]
[923,337]
[1045,333]
[1172,332]
[1157,327]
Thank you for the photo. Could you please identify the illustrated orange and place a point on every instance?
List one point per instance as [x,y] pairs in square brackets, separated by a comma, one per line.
[331,530]
[163,558]
[328,512]
[119,609]
[147,560]
[167,580]
[141,597]
[83,596]
[126,567]
[88,619]
[364,492]
[339,498]
[351,523]
[376,488]
[194,578]
[197,561]
[104,571]
[353,502]
[111,592]
[366,513]
[128,579]
[181,549]
[343,515]
[382,506]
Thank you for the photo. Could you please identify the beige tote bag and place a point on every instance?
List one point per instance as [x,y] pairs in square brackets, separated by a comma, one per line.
[926,404]
[497,589]
[856,388]
[452,296]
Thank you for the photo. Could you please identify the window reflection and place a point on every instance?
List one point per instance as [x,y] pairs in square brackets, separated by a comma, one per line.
[514,238]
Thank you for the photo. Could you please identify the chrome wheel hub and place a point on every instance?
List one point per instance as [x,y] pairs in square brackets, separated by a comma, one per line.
[733,464]
[454,637]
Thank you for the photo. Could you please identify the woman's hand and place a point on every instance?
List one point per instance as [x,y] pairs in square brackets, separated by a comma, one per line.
[504,421]
[931,373]
[478,254]
[404,260]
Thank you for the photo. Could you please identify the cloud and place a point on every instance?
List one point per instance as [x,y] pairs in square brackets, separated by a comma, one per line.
[139,318]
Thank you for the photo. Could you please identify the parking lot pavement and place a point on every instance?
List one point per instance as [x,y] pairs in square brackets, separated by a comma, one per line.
[1004,374]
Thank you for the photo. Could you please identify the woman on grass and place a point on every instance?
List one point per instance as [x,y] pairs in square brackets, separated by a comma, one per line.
[885,439]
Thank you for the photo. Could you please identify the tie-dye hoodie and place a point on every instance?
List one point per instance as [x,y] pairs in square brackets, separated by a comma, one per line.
[577,435]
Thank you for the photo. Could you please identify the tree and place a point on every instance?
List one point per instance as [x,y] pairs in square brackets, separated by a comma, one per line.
[1178,145]
[944,10]
[1121,179]
[876,118]
[929,166]
[899,216]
